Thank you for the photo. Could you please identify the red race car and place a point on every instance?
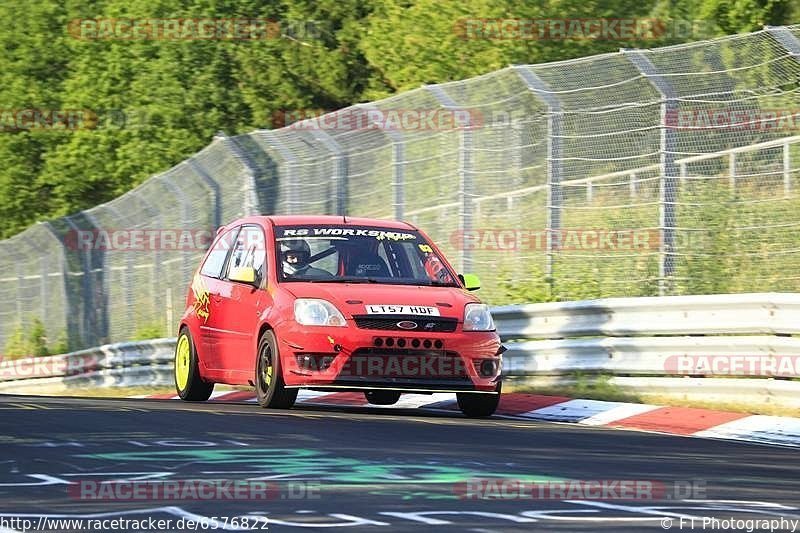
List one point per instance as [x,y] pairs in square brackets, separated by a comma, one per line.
[335,303]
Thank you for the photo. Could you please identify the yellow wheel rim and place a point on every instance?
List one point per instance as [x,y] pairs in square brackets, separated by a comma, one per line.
[182,354]
[266,370]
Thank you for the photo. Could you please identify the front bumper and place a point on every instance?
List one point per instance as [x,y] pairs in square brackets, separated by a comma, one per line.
[357,358]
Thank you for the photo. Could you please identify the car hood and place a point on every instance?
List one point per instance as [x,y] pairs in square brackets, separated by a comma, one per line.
[352,298]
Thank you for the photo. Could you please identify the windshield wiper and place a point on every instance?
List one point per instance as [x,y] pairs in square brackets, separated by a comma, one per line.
[443,284]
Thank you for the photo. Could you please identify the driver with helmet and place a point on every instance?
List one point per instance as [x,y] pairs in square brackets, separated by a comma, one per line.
[294,256]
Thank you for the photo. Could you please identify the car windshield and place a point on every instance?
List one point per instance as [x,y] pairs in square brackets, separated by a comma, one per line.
[341,254]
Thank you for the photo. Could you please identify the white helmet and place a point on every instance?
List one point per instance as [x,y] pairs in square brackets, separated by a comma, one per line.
[294,256]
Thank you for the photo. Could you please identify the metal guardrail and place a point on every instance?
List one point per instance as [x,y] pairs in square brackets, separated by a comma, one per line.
[121,364]
[661,345]
[637,342]
[756,313]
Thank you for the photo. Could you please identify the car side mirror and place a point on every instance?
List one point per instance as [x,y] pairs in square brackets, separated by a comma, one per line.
[471,282]
[243,275]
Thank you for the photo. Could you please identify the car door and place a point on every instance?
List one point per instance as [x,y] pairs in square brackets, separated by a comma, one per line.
[242,303]
[207,287]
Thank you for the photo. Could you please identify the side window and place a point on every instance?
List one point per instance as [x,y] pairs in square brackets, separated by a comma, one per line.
[219,251]
[249,250]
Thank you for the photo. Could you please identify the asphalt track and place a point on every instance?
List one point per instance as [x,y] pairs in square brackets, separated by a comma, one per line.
[364,470]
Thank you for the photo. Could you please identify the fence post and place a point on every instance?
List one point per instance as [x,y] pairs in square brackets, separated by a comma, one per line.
[155,273]
[669,170]
[127,283]
[339,177]
[186,264]
[87,332]
[787,170]
[465,191]
[398,162]
[788,41]
[213,187]
[249,198]
[64,273]
[555,123]
[292,189]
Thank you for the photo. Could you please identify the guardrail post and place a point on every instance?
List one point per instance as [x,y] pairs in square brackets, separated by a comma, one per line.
[249,198]
[466,192]
[289,178]
[339,177]
[555,120]
[669,170]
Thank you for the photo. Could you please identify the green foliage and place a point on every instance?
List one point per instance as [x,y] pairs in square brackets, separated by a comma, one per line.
[153,330]
[27,342]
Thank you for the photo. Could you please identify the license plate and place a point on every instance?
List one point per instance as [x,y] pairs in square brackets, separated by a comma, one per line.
[402,310]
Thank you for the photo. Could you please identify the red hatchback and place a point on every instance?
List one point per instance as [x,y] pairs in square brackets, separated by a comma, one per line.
[334,303]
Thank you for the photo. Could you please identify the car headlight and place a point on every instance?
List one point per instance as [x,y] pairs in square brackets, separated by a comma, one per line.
[316,312]
[478,318]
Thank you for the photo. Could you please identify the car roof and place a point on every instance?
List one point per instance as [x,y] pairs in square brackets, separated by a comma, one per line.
[305,220]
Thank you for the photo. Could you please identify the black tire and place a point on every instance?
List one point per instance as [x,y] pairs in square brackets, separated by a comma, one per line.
[477,405]
[382,397]
[196,390]
[271,389]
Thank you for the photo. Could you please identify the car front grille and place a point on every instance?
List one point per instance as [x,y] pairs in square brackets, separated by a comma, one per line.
[390,323]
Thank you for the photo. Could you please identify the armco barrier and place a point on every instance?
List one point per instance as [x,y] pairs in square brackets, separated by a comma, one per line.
[642,345]
[635,341]
[121,364]
[756,313]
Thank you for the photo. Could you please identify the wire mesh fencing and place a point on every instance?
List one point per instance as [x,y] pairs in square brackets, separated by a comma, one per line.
[643,172]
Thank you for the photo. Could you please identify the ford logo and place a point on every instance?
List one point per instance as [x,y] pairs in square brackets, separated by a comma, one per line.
[407,324]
